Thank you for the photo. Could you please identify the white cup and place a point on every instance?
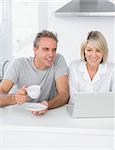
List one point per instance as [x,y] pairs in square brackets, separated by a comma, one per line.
[33,91]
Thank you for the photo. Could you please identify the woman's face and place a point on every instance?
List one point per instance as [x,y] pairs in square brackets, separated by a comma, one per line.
[93,56]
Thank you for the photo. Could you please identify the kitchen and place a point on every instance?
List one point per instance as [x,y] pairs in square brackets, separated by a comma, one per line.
[71,32]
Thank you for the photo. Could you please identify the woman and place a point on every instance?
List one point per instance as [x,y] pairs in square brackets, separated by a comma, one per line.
[93,73]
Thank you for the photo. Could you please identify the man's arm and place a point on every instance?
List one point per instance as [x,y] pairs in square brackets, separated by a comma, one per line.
[59,100]
[5,98]
[63,93]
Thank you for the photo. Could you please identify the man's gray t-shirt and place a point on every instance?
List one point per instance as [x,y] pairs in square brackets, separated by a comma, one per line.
[22,71]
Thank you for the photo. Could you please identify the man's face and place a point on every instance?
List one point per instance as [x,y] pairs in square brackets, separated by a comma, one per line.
[45,54]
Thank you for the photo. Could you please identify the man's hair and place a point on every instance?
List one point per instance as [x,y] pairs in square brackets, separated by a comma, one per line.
[44,34]
[99,41]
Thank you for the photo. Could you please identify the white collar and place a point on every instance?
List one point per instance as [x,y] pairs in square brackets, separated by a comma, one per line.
[101,70]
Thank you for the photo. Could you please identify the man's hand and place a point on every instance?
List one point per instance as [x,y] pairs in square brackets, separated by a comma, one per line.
[43,111]
[21,96]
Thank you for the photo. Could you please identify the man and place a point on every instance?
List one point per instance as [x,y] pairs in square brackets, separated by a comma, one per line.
[47,69]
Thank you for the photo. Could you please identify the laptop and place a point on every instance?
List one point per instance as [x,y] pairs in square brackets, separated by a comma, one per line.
[92,105]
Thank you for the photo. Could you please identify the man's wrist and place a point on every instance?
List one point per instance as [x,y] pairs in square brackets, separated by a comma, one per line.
[13,99]
[46,104]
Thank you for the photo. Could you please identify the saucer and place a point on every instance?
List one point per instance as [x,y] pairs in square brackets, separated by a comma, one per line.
[35,106]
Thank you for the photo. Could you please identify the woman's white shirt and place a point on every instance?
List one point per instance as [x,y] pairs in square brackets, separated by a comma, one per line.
[79,79]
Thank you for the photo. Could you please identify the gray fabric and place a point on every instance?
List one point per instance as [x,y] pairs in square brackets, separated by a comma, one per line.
[22,71]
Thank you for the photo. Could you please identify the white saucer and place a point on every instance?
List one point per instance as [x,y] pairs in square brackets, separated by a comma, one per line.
[35,106]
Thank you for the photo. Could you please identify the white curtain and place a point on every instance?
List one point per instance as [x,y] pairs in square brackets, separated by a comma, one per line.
[20,21]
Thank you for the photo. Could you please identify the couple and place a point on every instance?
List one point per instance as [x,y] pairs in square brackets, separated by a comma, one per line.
[46,68]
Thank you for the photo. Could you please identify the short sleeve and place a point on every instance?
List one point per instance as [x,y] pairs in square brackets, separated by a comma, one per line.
[12,71]
[60,66]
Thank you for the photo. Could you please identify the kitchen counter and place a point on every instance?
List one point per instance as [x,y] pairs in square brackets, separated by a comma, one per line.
[54,129]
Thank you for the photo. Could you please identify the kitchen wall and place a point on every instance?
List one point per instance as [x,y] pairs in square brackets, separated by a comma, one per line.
[73,30]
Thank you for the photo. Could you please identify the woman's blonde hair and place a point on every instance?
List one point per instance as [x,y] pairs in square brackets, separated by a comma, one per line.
[98,41]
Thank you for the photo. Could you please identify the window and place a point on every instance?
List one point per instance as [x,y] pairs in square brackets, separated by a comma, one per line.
[18,26]
[5,32]
[24,25]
